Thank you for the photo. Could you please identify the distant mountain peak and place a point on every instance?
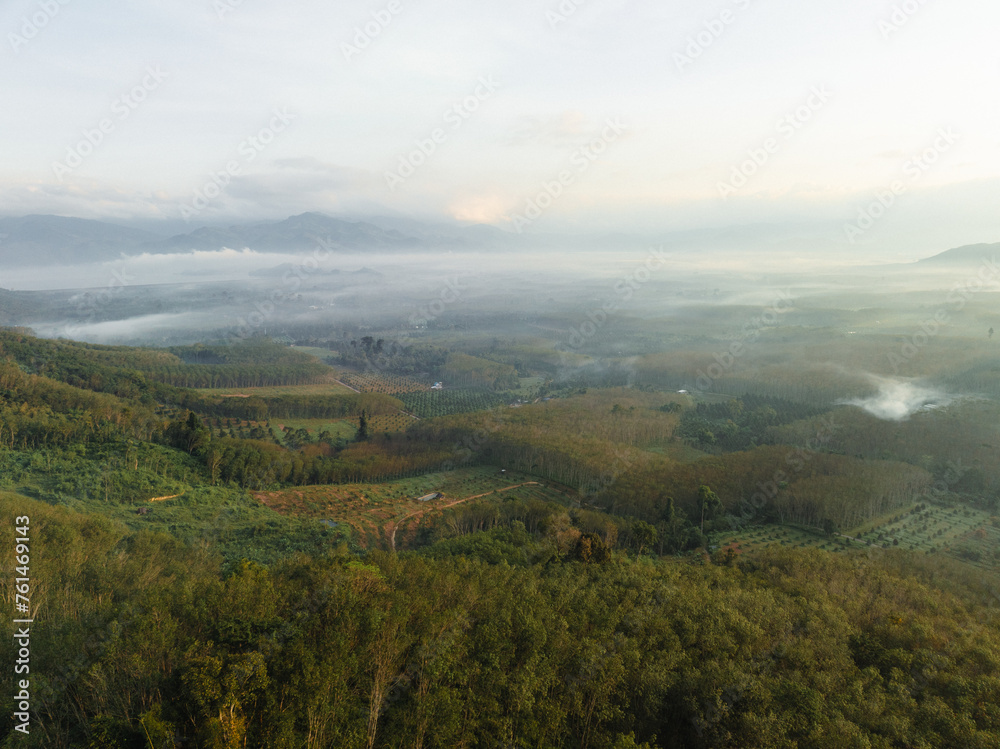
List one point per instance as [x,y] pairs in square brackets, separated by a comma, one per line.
[963,255]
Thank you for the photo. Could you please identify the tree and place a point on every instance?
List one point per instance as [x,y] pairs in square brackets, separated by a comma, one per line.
[645,535]
[590,547]
[709,504]
[362,435]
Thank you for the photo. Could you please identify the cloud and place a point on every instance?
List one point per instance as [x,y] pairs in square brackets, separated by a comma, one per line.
[898,399]
[143,326]
[83,198]
[568,128]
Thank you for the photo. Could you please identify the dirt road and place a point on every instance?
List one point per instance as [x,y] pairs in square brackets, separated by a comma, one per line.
[421,511]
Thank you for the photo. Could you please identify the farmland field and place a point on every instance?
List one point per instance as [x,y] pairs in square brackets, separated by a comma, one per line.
[961,531]
[529,387]
[326,388]
[369,508]
[759,537]
[379,423]
[374,382]
[430,403]
[337,428]
[424,402]
[965,533]
[347,428]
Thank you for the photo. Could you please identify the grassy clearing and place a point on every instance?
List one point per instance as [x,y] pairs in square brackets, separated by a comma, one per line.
[320,353]
[341,428]
[529,386]
[678,450]
[369,508]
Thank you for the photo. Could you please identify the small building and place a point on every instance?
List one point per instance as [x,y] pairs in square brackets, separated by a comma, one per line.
[429,497]
[437,386]
[143,511]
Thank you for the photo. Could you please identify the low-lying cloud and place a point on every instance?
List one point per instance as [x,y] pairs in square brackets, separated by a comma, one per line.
[898,399]
[122,331]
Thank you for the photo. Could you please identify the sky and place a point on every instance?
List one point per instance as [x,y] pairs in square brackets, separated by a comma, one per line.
[875,122]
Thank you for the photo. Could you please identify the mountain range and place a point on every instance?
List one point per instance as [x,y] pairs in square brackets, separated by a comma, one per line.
[43,240]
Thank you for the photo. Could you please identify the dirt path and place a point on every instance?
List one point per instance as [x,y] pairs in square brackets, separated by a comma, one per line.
[161,499]
[405,413]
[421,511]
[346,385]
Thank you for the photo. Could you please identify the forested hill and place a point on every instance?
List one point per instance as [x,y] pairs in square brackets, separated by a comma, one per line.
[572,592]
[129,372]
[141,639]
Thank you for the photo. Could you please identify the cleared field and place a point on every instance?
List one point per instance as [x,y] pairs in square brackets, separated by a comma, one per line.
[373,511]
[346,428]
[371,382]
[425,402]
[959,531]
[678,450]
[397,422]
[337,428]
[326,388]
[319,353]
[760,537]
[430,403]
[529,386]
[342,428]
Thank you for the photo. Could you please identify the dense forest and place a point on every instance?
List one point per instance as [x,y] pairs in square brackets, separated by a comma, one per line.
[142,641]
[172,608]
